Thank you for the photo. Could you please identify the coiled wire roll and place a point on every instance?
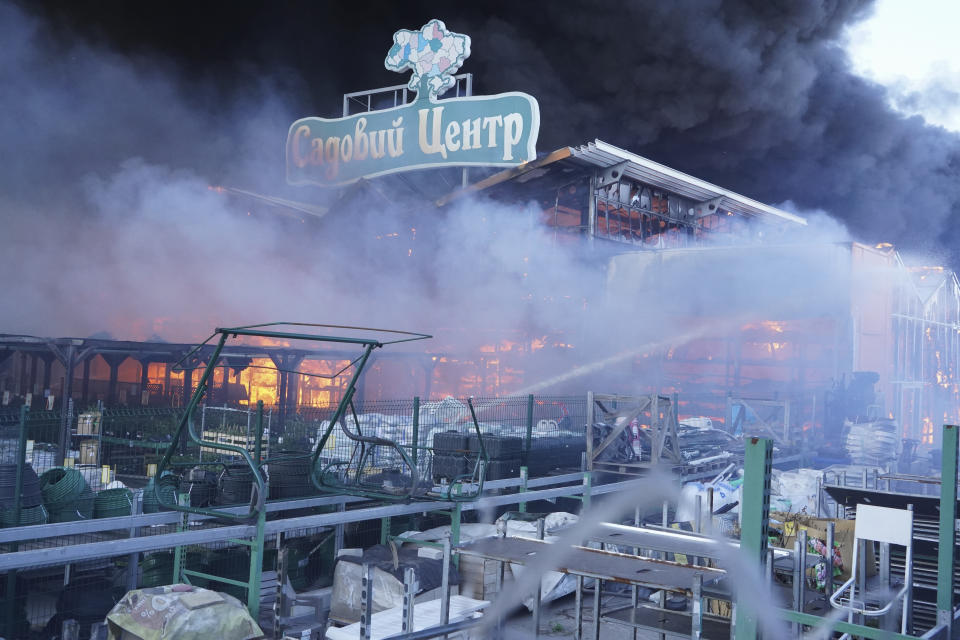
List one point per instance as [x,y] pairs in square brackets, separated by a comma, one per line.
[113,503]
[28,516]
[167,486]
[66,495]
[29,492]
[235,484]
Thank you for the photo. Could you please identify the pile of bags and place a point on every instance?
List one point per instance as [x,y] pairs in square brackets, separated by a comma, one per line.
[795,491]
[874,443]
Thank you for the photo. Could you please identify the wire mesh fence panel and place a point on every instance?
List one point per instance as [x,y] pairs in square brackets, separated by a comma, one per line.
[558,439]
[429,433]
[109,448]
[34,604]
[237,427]
[371,445]
[446,446]
[141,423]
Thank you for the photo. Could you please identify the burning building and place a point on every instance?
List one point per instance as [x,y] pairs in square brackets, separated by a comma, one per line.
[732,309]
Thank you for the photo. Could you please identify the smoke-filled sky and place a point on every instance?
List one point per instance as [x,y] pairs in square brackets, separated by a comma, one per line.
[922,72]
[114,120]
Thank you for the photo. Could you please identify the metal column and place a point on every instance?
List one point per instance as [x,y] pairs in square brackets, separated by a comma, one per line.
[758,460]
[11,587]
[529,435]
[946,558]
[589,434]
[256,566]
[416,429]
[409,596]
[366,601]
[592,217]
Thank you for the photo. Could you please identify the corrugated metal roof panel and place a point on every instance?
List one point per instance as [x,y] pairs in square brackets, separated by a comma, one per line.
[602,154]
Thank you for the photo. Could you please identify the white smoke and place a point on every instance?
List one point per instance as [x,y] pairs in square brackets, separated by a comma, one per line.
[109,224]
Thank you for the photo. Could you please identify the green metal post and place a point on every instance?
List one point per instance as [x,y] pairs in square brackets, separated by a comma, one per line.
[11,592]
[183,499]
[21,460]
[384,530]
[755,510]
[455,529]
[256,566]
[523,488]
[257,446]
[416,428]
[587,484]
[946,553]
[529,439]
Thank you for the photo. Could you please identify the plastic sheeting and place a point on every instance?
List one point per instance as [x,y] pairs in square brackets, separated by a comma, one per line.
[553,584]
[795,491]
[724,495]
[387,579]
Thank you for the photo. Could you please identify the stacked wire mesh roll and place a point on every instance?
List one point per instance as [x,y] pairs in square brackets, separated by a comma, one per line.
[31,500]
[157,569]
[167,486]
[290,478]
[304,560]
[86,599]
[233,564]
[113,503]
[28,516]
[66,495]
[201,487]
[235,484]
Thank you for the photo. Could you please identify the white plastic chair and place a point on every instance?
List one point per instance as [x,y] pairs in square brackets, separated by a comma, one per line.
[879,524]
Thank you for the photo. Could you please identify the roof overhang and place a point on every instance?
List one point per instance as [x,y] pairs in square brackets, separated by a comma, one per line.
[599,155]
[602,154]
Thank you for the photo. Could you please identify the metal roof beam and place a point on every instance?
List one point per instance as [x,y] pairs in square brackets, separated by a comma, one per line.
[644,170]
[612,174]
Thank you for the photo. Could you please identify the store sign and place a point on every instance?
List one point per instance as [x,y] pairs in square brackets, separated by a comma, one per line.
[494,131]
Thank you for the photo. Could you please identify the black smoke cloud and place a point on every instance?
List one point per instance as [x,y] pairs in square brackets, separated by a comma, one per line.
[757,96]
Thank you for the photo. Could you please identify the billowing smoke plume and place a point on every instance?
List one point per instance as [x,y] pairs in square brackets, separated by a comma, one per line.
[758,97]
[109,222]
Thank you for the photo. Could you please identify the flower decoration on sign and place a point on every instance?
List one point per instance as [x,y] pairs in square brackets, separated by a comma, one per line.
[433,54]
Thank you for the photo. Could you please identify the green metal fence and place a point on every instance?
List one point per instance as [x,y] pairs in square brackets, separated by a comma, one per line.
[106,444]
